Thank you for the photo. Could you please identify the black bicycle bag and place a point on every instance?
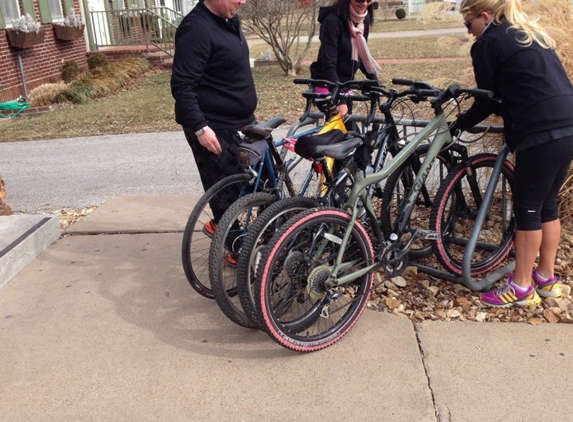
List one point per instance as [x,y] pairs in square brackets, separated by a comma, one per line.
[250,154]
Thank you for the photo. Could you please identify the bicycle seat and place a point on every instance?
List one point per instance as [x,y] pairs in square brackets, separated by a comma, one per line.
[260,131]
[340,150]
[334,144]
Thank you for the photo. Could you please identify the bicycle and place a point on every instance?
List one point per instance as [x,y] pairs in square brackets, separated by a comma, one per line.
[384,140]
[196,237]
[317,272]
[234,225]
[196,242]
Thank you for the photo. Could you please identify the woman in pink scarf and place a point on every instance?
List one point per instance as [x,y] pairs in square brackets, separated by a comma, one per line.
[344,29]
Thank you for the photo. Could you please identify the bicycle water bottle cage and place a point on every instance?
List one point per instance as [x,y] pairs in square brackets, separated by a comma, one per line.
[256,132]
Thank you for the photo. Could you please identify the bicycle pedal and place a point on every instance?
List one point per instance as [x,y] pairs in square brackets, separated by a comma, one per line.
[427,234]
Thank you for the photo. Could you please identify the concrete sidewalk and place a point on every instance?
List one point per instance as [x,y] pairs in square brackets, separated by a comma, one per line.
[103,326]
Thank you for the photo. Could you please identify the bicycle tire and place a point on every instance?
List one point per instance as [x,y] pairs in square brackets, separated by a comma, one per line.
[231,230]
[195,245]
[297,314]
[397,188]
[258,236]
[454,212]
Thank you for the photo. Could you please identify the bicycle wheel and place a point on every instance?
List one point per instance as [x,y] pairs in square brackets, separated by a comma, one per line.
[256,239]
[455,210]
[196,243]
[299,308]
[226,247]
[398,187]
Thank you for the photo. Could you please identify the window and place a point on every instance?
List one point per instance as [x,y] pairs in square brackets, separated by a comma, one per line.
[56,10]
[11,10]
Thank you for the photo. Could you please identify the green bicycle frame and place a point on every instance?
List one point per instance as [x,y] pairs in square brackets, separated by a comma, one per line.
[437,125]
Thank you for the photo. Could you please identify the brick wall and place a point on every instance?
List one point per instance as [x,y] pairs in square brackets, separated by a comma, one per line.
[41,62]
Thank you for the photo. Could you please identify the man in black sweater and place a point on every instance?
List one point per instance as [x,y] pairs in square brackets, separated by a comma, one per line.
[214,91]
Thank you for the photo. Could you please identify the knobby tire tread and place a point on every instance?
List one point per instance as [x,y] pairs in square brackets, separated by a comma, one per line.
[452,183]
[196,270]
[272,254]
[224,287]
[267,220]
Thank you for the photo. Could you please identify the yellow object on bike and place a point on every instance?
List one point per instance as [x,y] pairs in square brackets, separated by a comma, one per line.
[335,122]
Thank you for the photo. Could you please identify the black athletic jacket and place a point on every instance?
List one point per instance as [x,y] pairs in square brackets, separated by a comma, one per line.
[211,81]
[334,62]
[536,94]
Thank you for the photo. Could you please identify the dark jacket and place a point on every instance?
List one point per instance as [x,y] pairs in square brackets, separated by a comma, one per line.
[212,81]
[536,94]
[334,62]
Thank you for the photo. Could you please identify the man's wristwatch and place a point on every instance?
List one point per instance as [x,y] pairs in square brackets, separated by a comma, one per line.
[201,131]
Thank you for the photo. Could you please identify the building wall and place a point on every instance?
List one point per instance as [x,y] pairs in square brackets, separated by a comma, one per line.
[41,63]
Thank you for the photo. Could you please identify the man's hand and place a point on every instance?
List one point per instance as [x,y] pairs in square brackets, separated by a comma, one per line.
[209,140]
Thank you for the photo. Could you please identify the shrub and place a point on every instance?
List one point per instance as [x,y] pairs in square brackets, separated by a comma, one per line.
[400,13]
[69,70]
[44,94]
[96,60]
[103,81]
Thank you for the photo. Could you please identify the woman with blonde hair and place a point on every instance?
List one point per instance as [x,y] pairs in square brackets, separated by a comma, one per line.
[514,57]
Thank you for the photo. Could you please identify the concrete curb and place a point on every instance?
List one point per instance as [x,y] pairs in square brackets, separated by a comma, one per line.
[24,237]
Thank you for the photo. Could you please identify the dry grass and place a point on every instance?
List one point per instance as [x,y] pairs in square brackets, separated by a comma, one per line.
[279,96]
[44,95]
[438,12]
[396,48]
[100,82]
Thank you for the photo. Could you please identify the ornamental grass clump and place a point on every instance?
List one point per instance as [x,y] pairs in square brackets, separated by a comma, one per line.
[437,11]
[100,82]
[103,81]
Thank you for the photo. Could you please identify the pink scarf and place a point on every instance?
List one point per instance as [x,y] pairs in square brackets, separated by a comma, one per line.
[359,46]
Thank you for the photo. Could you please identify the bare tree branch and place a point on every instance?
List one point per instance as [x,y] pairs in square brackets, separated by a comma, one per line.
[287,26]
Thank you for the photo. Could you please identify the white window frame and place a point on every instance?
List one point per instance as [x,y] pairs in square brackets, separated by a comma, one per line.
[56,10]
[8,18]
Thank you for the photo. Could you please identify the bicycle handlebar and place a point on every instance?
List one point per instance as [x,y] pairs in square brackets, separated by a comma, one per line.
[363,84]
[338,90]
[454,91]
[413,83]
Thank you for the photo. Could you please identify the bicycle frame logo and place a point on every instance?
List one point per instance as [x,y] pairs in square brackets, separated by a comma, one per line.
[416,189]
